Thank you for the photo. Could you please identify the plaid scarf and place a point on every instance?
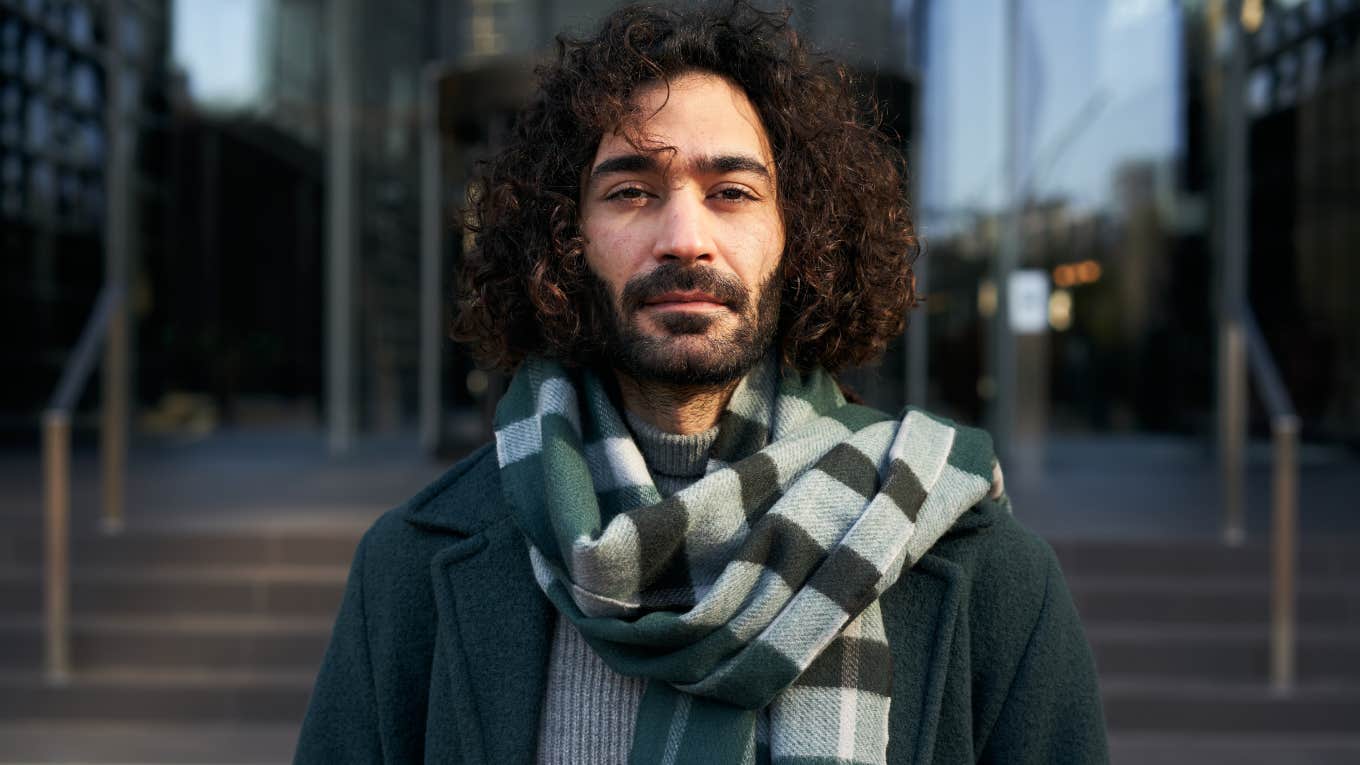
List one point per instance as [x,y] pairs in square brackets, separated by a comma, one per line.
[755,587]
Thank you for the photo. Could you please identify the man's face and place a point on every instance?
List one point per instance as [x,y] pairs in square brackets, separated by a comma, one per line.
[685,245]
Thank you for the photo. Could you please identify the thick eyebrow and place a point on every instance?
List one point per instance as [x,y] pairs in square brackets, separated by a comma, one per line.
[732,163]
[723,163]
[626,163]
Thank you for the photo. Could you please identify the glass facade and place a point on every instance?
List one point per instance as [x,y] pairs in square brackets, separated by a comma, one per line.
[1076,141]
[67,71]
[1109,209]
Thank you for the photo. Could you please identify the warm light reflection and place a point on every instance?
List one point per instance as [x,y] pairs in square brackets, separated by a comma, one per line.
[986,299]
[1253,13]
[1074,274]
[1060,310]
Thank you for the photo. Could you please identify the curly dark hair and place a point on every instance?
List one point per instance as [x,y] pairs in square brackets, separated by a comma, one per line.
[846,269]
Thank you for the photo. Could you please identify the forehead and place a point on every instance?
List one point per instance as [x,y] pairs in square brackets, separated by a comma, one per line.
[696,114]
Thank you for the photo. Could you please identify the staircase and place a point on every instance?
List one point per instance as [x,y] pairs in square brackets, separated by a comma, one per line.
[222,630]
[220,633]
[1180,632]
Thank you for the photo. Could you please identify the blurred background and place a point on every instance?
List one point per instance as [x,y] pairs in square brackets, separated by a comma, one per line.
[229,228]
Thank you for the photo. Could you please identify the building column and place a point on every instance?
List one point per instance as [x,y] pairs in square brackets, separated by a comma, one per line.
[341,229]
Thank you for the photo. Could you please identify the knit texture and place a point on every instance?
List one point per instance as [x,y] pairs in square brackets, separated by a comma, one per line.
[759,584]
[589,710]
[674,461]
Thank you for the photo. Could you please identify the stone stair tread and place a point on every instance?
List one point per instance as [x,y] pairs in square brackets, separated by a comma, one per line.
[1238,748]
[132,573]
[1110,630]
[187,624]
[166,677]
[1226,584]
[122,741]
[1184,687]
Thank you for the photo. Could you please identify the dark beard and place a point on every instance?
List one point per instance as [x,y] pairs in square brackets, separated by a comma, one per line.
[717,361]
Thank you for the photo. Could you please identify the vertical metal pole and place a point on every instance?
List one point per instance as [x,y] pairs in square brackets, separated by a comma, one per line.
[56,516]
[917,355]
[1233,428]
[1008,253]
[431,248]
[1232,220]
[1283,553]
[114,428]
[340,228]
[918,342]
[119,189]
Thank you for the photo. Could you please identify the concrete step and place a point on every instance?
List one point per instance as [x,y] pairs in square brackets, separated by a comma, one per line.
[1177,705]
[1321,601]
[69,741]
[175,643]
[1234,749]
[266,547]
[269,589]
[1220,652]
[169,696]
[1337,558]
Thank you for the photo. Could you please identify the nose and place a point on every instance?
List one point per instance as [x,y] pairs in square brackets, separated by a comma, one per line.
[685,230]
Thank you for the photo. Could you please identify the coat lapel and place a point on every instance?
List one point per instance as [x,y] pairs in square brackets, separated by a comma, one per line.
[921,615]
[494,635]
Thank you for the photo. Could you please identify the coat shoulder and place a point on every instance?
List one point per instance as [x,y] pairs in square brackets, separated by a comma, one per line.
[461,503]
[465,500]
[1032,683]
[996,551]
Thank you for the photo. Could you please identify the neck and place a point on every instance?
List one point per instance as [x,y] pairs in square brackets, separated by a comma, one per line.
[680,409]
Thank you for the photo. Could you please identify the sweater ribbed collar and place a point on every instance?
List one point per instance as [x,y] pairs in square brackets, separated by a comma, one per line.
[670,454]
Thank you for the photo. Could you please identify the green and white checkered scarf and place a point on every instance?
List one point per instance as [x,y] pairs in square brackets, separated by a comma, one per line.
[757,586]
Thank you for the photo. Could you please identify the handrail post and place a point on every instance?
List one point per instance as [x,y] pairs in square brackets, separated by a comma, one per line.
[1283,552]
[431,250]
[1233,429]
[119,193]
[114,430]
[57,542]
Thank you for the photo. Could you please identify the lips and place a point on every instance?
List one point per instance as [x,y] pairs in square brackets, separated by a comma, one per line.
[677,288]
[683,299]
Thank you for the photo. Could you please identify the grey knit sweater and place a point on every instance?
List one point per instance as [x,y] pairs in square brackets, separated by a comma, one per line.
[589,710]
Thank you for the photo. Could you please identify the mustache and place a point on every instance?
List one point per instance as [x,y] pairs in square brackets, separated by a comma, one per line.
[673,277]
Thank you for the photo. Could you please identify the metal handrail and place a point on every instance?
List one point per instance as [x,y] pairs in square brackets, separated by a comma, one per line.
[1284,427]
[56,450]
[81,362]
[1264,372]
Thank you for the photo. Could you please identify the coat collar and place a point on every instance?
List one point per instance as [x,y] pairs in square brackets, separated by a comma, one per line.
[494,626]
[922,617]
[445,506]
[495,632]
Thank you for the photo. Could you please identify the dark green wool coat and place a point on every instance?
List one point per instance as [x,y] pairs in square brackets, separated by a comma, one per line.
[440,650]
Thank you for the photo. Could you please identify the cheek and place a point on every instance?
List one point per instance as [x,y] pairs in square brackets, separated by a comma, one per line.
[611,255]
[763,244]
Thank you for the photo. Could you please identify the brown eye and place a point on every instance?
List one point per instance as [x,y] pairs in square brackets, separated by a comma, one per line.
[631,194]
[734,194]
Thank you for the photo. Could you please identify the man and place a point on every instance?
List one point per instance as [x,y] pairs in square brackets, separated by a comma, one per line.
[685,546]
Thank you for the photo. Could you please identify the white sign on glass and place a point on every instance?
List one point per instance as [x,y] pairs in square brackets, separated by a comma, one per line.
[1027,296]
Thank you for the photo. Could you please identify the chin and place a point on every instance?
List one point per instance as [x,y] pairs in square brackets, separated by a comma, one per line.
[689,360]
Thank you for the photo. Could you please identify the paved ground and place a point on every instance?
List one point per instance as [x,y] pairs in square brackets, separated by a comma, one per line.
[73,743]
[1091,487]
[77,743]
[236,478]
[1118,487]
